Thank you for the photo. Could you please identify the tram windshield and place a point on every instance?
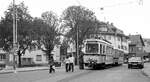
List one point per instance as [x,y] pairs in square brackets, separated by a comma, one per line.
[91,48]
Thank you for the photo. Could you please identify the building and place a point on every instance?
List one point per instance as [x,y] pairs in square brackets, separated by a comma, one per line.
[147,47]
[6,59]
[3,59]
[136,46]
[114,35]
[38,57]
[34,57]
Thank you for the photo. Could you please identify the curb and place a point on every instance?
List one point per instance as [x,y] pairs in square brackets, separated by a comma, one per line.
[32,70]
[145,71]
[12,71]
[6,72]
[145,74]
[28,70]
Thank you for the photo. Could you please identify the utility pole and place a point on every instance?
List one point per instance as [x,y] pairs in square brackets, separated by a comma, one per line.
[77,43]
[79,55]
[14,35]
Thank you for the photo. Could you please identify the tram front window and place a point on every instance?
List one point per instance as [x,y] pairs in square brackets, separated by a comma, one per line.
[91,48]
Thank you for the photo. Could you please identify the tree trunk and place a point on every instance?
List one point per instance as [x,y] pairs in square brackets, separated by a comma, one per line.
[81,62]
[19,59]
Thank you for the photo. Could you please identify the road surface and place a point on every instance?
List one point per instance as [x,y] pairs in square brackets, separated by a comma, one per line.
[114,74]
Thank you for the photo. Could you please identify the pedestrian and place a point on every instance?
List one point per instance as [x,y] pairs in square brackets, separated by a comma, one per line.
[51,65]
[71,65]
[67,63]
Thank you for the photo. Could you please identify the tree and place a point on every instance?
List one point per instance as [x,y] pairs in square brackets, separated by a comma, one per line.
[50,34]
[44,30]
[24,21]
[81,19]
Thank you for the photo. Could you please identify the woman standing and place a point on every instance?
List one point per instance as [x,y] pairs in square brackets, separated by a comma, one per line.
[67,62]
[71,65]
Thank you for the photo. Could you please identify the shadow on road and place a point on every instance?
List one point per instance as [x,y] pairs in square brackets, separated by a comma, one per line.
[103,68]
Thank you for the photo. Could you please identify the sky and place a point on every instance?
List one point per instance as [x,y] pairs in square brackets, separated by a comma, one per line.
[131,16]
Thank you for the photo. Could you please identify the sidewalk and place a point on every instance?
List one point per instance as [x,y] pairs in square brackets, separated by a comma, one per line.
[146,69]
[26,69]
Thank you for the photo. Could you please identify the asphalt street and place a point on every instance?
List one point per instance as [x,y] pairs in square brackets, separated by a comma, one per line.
[113,74]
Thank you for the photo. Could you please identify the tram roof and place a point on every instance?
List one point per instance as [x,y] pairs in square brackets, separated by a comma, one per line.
[99,40]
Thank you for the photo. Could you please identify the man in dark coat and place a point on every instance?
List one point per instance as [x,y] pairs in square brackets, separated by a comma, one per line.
[51,65]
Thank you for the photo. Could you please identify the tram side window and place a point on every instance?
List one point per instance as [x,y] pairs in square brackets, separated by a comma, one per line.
[100,48]
[104,49]
[107,50]
[110,50]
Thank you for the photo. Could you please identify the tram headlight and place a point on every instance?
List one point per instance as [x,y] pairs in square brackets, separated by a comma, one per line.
[95,61]
[91,61]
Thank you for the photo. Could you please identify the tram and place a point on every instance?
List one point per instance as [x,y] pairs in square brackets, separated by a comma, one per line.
[100,53]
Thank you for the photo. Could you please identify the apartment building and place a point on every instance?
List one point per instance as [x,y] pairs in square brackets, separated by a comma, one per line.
[114,35]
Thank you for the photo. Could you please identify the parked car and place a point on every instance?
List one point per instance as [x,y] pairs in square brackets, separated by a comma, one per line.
[136,62]
[146,60]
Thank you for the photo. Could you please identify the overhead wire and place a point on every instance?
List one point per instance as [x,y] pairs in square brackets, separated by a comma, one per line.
[140,2]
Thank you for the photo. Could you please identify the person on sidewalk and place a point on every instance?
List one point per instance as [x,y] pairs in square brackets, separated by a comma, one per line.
[71,65]
[51,65]
[67,62]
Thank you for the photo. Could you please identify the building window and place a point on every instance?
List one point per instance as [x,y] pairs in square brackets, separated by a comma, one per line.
[122,47]
[124,40]
[47,57]
[119,39]
[38,57]
[2,57]
[104,36]
[109,37]
[125,47]
[139,48]
[119,46]
[131,49]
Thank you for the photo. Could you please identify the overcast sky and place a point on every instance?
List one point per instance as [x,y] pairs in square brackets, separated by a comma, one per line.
[131,16]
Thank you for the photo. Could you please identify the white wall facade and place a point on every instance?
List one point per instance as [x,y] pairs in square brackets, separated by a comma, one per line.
[56,53]
[71,48]
[117,42]
[37,56]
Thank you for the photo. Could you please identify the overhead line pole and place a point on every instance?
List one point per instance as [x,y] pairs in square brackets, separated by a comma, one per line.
[81,66]
[16,28]
[14,35]
[14,25]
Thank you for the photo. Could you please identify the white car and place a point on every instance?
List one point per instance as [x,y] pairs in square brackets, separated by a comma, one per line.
[136,62]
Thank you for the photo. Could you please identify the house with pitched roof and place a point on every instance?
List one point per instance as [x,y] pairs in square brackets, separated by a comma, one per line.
[136,46]
[147,48]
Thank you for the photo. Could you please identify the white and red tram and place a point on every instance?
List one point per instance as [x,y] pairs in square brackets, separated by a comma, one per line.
[99,53]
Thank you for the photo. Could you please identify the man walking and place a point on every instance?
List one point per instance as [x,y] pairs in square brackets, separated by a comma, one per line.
[51,64]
